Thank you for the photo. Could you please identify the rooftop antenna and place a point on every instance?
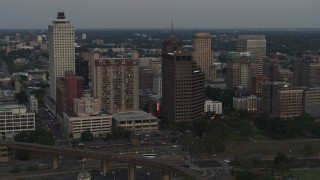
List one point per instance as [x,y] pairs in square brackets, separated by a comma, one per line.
[171,26]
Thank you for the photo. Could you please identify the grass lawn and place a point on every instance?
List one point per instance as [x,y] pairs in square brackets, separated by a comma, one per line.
[305,174]
[270,148]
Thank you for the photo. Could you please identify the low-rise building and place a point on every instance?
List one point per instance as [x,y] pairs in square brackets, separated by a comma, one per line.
[87,115]
[311,101]
[250,103]
[15,118]
[99,125]
[37,75]
[213,106]
[137,121]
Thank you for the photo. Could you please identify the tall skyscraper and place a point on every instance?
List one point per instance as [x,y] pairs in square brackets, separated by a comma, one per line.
[203,54]
[253,43]
[182,82]
[61,50]
[116,82]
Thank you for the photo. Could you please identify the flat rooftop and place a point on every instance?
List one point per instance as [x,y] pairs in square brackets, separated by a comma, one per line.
[131,116]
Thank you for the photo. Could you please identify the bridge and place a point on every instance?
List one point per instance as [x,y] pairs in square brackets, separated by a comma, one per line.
[167,168]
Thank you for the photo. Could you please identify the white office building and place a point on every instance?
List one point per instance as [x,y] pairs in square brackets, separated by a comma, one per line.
[14,119]
[61,50]
[213,106]
[249,103]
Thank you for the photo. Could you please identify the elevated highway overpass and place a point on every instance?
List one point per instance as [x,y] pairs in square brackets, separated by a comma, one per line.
[167,168]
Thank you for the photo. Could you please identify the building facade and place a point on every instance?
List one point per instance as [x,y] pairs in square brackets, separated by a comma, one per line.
[33,103]
[182,84]
[99,125]
[241,69]
[87,115]
[203,53]
[306,73]
[138,121]
[280,100]
[61,50]
[14,119]
[250,103]
[271,68]
[213,106]
[311,101]
[82,69]
[253,43]
[258,82]
[287,102]
[116,82]
[68,88]
[157,85]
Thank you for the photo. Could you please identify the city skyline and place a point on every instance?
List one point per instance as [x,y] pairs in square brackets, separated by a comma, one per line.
[158,14]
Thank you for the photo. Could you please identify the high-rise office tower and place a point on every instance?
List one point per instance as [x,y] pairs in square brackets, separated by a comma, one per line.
[61,50]
[182,84]
[253,43]
[203,54]
[116,82]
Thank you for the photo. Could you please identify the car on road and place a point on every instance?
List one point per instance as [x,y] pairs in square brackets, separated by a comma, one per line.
[185,165]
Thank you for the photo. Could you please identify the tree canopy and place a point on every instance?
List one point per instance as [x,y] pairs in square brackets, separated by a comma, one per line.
[39,136]
[86,136]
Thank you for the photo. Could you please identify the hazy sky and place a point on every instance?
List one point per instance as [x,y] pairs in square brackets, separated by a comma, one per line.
[158,13]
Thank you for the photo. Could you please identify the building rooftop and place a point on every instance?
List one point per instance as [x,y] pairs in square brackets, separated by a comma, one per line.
[16,108]
[101,113]
[130,116]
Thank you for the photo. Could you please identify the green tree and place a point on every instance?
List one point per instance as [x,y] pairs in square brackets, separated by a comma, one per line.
[182,126]
[309,150]
[280,164]
[86,136]
[246,129]
[244,175]
[120,132]
[39,136]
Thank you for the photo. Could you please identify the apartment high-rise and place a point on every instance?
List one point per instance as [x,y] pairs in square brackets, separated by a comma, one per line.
[182,84]
[253,43]
[203,53]
[61,50]
[116,82]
